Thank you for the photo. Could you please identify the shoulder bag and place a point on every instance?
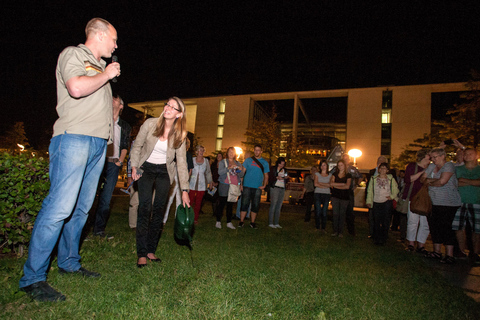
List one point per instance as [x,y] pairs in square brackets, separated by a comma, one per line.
[402,204]
[421,203]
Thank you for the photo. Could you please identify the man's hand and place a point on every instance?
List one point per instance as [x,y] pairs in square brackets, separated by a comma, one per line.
[113,70]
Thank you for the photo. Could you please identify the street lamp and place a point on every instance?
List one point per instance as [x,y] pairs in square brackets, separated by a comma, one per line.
[238,151]
[354,153]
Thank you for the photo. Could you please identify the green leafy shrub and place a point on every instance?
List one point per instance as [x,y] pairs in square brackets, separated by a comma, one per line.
[24,183]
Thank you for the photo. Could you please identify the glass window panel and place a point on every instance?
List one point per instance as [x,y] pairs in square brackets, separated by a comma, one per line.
[222,106]
[386,117]
[218,145]
[221,119]
[387,99]
[220,132]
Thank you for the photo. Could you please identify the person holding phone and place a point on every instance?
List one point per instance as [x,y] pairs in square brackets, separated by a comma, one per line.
[157,155]
[277,179]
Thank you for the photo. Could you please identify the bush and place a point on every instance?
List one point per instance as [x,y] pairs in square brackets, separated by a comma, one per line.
[24,183]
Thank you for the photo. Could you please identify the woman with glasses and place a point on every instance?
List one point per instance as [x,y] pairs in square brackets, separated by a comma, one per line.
[157,155]
[382,190]
[443,190]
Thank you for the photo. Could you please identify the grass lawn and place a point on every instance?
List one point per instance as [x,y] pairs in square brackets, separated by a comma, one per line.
[289,273]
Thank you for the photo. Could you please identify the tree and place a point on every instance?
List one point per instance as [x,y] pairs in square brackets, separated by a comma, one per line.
[14,137]
[463,125]
[296,155]
[465,118]
[265,132]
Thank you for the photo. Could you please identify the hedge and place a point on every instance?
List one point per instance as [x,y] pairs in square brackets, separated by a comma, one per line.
[24,183]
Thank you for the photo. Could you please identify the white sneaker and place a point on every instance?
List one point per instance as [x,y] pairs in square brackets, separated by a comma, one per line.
[272,226]
[278,226]
[218,225]
[230,226]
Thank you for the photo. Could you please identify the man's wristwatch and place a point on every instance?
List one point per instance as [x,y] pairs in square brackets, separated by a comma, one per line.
[185,190]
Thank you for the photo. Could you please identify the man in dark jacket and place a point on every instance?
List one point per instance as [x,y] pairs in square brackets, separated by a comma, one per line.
[116,154]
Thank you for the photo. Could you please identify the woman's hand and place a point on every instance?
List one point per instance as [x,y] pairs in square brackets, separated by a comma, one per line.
[135,175]
[185,199]
[369,205]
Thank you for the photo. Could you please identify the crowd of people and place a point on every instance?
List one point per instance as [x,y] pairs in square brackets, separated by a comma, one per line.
[90,138]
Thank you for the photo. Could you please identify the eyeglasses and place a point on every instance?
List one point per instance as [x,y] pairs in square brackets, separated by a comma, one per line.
[172,107]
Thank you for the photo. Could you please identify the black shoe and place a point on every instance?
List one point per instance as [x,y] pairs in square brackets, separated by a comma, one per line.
[42,291]
[240,224]
[448,260]
[155,260]
[82,271]
[102,234]
[253,225]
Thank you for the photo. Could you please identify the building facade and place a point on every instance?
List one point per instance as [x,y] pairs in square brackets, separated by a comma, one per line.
[380,120]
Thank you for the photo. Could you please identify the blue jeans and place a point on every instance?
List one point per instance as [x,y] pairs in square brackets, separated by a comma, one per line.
[103,208]
[321,209]
[276,198]
[239,207]
[76,162]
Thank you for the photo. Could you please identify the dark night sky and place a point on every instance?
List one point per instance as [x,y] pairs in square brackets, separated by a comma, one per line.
[205,48]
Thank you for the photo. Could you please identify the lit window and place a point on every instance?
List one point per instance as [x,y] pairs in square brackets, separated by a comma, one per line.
[221,119]
[219,132]
[386,116]
[222,106]
[218,145]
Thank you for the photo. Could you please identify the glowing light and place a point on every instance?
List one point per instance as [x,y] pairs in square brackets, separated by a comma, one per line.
[355,153]
[238,151]
[22,147]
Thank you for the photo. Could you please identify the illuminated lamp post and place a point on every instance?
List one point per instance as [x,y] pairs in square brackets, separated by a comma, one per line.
[355,153]
[238,151]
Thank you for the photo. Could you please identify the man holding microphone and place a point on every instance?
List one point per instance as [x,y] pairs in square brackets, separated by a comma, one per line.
[77,155]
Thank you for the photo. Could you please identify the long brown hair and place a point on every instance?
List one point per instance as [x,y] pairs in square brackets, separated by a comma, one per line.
[179,130]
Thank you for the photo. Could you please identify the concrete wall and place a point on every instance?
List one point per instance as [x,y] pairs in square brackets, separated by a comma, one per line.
[411,115]
[235,123]
[364,125]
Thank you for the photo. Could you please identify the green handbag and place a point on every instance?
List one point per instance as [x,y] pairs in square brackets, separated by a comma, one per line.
[184,226]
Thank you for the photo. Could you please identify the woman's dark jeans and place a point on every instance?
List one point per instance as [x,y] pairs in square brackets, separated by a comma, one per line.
[221,204]
[382,213]
[150,223]
[321,209]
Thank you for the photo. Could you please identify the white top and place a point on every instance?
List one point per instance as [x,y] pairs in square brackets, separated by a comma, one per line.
[116,140]
[159,153]
[281,183]
[197,180]
[382,190]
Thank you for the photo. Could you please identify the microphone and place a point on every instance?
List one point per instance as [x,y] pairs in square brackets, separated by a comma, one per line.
[114,59]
